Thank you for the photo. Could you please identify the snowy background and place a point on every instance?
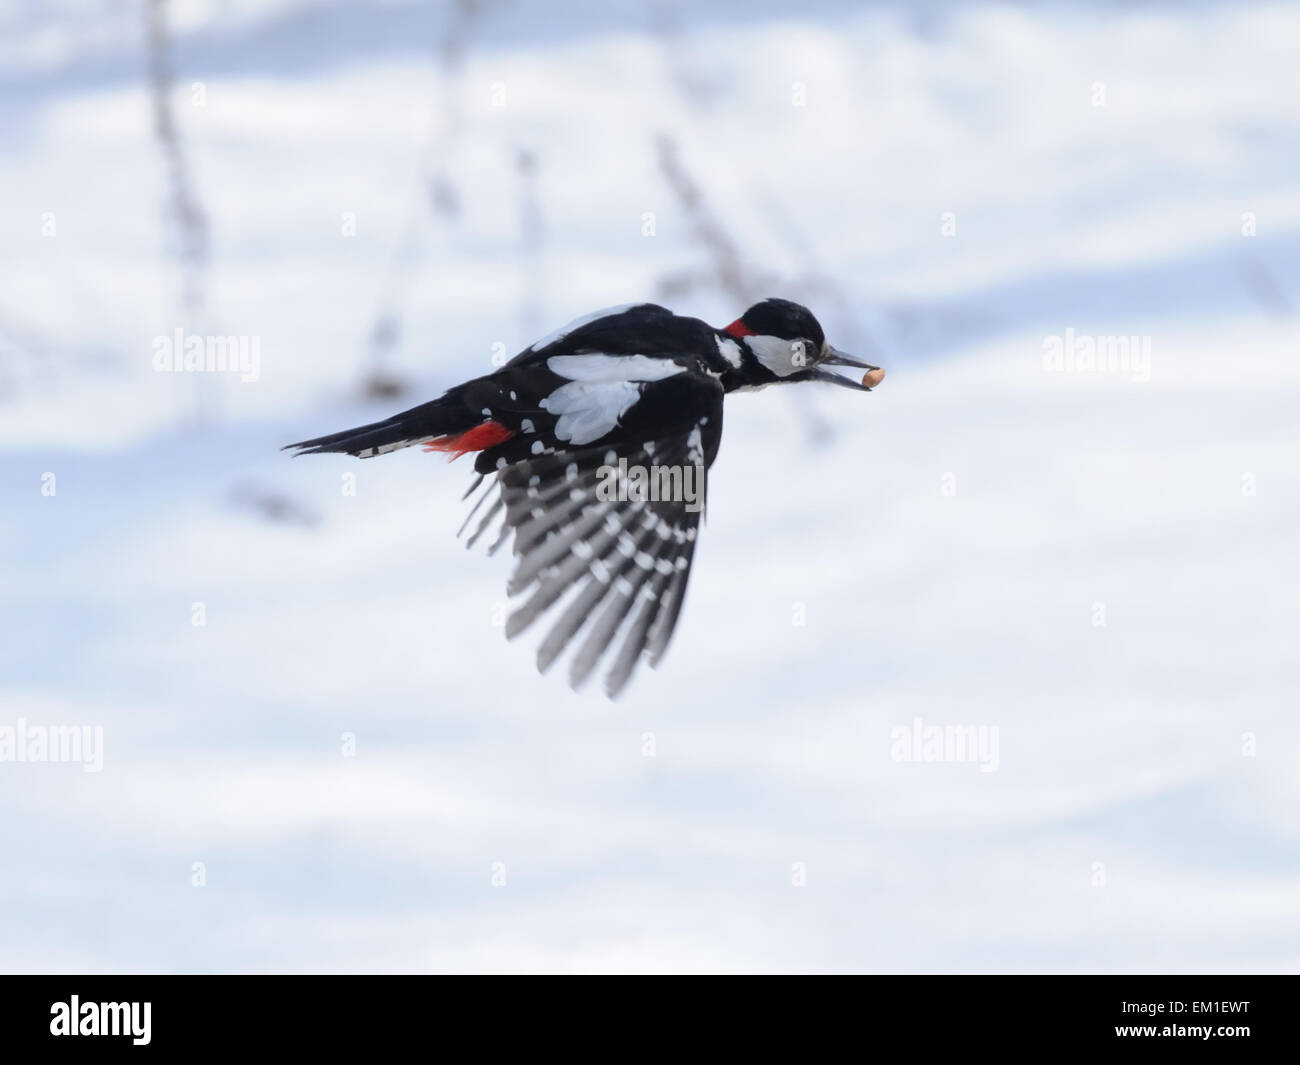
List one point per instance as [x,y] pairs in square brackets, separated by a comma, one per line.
[1103,568]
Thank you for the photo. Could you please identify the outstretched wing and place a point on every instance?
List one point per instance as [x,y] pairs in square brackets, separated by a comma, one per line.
[611,523]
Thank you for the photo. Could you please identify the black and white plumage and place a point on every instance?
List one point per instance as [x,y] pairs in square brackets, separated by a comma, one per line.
[629,388]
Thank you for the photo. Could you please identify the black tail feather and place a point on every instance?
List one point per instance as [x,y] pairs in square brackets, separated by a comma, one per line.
[415,426]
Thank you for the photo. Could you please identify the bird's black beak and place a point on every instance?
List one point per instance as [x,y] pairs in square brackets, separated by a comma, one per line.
[835,357]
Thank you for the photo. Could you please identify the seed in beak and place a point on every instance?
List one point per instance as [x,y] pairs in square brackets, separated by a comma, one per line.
[873,377]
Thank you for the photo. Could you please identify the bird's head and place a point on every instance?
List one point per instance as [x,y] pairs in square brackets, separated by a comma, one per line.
[782,341]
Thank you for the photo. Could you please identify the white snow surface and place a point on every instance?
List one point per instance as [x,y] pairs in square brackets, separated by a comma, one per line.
[1101,566]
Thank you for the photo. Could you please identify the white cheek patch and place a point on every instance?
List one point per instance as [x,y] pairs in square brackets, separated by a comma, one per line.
[782,357]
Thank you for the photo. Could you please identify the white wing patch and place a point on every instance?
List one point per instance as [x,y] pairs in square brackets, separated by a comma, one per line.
[730,351]
[602,368]
[600,389]
[695,445]
[586,412]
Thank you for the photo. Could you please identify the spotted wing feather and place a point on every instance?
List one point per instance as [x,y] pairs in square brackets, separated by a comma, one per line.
[622,563]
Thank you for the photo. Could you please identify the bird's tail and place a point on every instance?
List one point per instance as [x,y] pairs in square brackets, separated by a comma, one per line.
[419,425]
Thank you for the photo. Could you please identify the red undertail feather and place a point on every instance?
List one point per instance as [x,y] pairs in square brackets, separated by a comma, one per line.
[480,438]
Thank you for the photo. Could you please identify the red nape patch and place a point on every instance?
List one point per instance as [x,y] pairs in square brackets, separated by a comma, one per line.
[739,329]
[480,438]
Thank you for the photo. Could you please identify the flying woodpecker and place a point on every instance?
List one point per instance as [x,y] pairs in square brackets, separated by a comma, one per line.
[598,439]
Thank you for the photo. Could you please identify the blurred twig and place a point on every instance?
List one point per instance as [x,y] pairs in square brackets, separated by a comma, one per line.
[1262,284]
[743,283]
[729,272]
[273,505]
[696,82]
[184,208]
[24,352]
[439,195]
[531,237]
[188,219]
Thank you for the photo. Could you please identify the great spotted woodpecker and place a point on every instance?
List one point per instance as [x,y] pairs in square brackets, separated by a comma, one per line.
[598,438]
